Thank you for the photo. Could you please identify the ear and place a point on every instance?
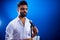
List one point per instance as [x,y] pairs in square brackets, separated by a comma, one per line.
[17,9]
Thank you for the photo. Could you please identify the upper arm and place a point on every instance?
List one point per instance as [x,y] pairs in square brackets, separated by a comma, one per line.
[9,31]
[35,31]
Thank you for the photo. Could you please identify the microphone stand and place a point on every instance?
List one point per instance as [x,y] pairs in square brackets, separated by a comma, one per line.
[31,28]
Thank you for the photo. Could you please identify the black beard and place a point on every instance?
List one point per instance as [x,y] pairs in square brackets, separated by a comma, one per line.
[22,15]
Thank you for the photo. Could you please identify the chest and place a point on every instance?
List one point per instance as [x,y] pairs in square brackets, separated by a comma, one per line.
[19,28]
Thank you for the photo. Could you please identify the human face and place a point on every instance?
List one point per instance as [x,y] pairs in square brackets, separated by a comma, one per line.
[22,10]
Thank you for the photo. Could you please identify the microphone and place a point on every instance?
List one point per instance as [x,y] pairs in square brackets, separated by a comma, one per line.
[32,25]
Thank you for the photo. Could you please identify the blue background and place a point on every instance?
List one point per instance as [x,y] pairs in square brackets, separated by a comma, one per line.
[45,14]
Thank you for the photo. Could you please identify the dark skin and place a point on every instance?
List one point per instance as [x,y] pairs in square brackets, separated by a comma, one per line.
[34,32]
[23,9]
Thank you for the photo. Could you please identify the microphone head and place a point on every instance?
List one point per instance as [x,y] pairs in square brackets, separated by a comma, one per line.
[30,21]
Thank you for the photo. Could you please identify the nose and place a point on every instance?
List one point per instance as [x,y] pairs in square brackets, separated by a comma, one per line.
[25,10]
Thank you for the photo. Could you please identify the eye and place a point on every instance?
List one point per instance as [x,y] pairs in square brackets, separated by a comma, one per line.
[23,8]
[26,9]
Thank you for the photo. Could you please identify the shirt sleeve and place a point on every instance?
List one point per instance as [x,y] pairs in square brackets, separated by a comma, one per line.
[9,32]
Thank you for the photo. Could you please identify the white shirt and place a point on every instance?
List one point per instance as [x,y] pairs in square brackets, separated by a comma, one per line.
[16,30]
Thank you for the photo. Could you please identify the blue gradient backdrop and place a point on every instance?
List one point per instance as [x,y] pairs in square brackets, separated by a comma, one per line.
[45,14]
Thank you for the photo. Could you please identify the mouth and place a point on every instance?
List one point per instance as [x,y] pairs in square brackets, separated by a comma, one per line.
[25,13]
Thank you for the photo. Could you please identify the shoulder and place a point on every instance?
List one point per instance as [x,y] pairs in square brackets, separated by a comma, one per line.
[27,19]
[11,23]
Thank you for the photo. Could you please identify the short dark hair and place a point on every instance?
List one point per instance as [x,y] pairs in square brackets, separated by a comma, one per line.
[22,3]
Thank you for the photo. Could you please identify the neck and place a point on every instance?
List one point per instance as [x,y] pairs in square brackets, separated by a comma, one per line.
[22,19]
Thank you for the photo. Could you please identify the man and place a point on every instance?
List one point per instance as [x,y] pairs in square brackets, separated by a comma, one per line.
[21,28]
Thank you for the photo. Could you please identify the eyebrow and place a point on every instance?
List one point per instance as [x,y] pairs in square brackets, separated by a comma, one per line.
[23,8]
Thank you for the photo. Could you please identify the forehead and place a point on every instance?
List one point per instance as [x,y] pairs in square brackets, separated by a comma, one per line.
[23,6]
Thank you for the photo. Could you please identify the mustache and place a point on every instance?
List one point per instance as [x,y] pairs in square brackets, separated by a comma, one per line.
[22,12]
